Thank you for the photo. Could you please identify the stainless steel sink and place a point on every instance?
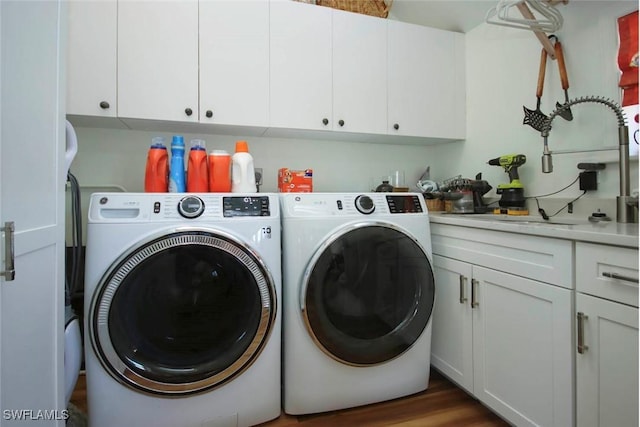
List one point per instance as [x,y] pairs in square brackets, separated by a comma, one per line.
[530,219]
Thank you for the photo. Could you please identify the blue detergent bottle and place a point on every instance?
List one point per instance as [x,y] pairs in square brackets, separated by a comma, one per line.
[176,174]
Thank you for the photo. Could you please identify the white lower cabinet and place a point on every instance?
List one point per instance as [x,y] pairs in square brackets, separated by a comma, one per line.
[606,336]
[504,338]
[452,333]
[606,363]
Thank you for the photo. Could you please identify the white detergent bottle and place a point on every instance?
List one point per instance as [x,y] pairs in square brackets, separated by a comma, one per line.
[243,178]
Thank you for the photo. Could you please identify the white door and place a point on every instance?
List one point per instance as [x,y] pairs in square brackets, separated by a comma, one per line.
[452,339]
[32,196]
[522,348]
[607,369]
[158,60]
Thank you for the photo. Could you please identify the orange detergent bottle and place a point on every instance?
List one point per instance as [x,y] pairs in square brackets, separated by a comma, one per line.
[219,171]
[197,171]
[156,177]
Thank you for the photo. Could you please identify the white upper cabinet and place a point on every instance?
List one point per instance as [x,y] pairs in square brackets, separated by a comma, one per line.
[298,69]
[359,73]
[301,90]
[426,81]
[234,62]
[158,60]
[328,69]
[91,58]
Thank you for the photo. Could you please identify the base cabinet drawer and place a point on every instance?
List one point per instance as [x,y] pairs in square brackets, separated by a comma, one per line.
[609,272]
[544,259]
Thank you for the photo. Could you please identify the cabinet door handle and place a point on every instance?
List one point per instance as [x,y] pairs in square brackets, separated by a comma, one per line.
[582,347]
[325,121]
[463,281]
[104,105]
[619,277]
[9,253]
[396,126]
[188,111]
[209,113]
[341,123]
[474,301]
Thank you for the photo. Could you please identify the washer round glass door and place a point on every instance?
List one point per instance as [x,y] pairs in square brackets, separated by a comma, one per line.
[368,294]
[182,313]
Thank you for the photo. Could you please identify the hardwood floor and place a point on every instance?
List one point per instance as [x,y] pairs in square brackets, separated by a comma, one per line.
[441,405]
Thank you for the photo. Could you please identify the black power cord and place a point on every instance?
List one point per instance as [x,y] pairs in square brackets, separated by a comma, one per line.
[542,211]
[76,250]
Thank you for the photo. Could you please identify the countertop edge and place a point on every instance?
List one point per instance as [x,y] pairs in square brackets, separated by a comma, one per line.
[609,233]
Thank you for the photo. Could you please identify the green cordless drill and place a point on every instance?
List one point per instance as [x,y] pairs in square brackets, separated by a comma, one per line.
[513,192]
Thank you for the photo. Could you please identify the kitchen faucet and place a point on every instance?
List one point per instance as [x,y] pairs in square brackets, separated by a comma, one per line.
[626,205]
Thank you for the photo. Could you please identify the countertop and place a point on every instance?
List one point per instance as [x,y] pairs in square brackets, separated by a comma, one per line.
[578,229]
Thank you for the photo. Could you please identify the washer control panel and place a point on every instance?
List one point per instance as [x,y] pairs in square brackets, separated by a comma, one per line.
[200,207]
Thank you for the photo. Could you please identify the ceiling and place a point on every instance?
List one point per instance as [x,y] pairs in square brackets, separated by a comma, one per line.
[460,15]
[453,15]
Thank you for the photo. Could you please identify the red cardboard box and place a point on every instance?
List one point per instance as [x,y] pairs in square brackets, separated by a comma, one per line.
[295,181]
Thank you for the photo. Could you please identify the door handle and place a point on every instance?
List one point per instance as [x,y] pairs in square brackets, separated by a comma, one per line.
[582,347]
[474,301]
[619,277]
[9,253]
[463,281]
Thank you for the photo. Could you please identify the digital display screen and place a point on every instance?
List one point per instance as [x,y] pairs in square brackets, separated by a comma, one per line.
[245,206]
[404,204]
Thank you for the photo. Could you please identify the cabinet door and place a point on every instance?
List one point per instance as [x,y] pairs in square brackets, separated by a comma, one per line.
[158,60]
[32,196]
[234,62]
[522,346]
[426,81]
[91,58]
[451,341]
[300,68]
[359,73]
[607,370]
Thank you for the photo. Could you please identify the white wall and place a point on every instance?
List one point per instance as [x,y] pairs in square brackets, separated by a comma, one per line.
[502,73]
[502,68]
[117,157]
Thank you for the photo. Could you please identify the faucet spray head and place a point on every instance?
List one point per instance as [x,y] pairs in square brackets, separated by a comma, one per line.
[547,163]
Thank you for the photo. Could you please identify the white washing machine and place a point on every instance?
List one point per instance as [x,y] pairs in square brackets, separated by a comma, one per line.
[358,293]
[181,309]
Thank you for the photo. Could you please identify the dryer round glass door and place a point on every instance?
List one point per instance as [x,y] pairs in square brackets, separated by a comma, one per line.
[182,313]
[368,294]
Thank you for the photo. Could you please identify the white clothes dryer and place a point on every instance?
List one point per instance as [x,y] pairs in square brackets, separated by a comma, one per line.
[358,293]
[182,326]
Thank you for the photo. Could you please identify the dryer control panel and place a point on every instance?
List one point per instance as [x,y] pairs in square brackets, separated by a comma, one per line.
[306,205]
